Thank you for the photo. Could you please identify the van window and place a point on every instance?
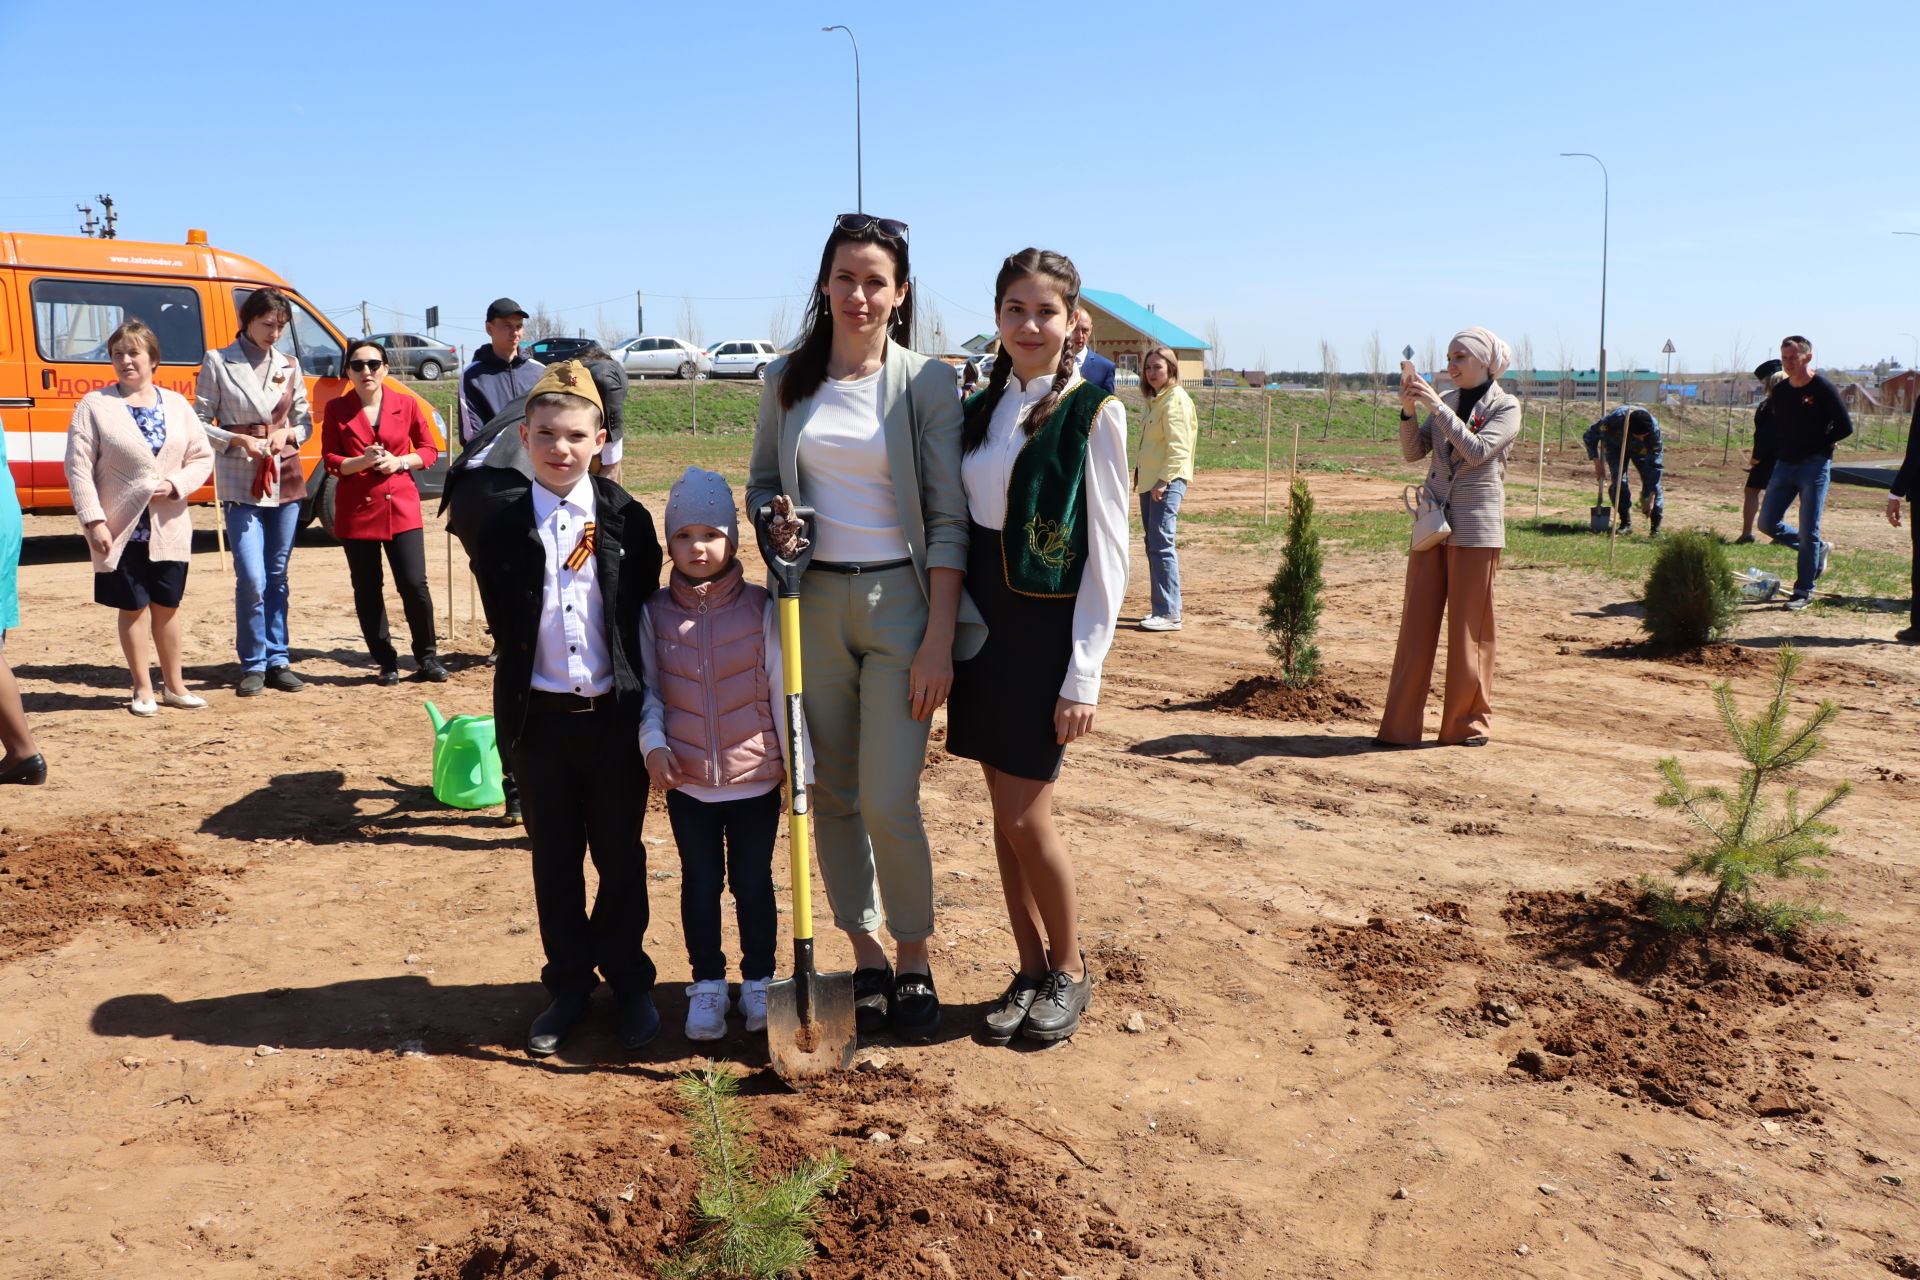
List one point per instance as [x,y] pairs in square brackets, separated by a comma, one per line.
[306,340]
[72,319]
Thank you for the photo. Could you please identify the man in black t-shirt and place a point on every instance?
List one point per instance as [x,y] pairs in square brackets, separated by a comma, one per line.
[1808,419]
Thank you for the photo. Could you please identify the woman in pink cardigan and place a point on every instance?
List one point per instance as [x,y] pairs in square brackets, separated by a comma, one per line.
[135,451]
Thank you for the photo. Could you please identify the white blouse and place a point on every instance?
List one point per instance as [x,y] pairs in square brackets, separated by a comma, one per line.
[986,471]
[846,475]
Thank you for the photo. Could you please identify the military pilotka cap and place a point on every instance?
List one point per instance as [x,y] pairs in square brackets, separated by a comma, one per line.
[1766,369]
[500,308]
[569,377]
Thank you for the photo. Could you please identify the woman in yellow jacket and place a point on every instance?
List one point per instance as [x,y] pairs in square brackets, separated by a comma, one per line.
[1161,471]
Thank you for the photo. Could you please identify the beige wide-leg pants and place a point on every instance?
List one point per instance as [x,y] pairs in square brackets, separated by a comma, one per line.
[1456,581]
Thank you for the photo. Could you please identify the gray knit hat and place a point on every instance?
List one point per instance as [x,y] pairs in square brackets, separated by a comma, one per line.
[702,497]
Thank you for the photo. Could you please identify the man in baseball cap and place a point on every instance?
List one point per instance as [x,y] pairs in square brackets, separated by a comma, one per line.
[500,371]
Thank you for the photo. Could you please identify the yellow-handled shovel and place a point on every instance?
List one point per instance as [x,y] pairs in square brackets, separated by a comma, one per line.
[810,1020]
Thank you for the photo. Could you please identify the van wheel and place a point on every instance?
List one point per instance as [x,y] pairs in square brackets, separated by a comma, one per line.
[319,504]
[760,372]
[430,371]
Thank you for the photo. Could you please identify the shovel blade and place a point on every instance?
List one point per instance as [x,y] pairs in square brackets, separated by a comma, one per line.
[823,1043]
[1599,519]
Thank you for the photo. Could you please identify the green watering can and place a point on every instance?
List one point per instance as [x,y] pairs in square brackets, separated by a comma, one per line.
[466,762]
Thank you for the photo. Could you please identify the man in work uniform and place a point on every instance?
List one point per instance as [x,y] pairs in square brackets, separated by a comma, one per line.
[1645,451]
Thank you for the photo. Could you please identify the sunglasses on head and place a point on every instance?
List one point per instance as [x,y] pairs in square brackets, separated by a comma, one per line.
[364,366]
[855,223]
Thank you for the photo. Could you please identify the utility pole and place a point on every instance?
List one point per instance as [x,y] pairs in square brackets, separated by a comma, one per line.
[859,166]
[639,313]
[106,204]
[88,226]
[365,328]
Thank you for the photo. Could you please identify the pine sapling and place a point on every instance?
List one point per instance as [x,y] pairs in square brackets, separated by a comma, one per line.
[750,1228]
[1747,844]
[1292,607]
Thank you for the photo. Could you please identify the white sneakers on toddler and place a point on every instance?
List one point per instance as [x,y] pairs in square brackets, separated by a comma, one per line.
[753,1003]
[707,1010]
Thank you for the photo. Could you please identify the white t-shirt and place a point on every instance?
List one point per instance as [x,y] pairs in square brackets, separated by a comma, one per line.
[845,474]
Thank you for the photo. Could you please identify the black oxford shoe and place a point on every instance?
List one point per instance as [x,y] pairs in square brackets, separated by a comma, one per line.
[551,1029]
[638,1021]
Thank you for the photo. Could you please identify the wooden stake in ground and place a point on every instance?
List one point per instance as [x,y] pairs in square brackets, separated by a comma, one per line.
[1540,462]
[1619,479]
[1293,467]
[220,529]
[449,582]
[1266,474]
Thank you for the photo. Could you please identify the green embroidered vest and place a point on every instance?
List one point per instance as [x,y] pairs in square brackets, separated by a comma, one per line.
[1043,543]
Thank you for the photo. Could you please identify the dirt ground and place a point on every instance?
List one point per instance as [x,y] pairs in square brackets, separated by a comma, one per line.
[1361,1012]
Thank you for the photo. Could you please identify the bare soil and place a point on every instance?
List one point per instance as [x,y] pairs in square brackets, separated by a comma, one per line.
[1359,1013]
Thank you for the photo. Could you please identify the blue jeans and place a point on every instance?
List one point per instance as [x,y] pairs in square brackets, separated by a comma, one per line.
[1161,519]
[727,843]
[1807,481]
[261,539]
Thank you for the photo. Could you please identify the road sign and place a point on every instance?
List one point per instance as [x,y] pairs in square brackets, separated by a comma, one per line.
[433,317]
[1406,352]
[1668,349]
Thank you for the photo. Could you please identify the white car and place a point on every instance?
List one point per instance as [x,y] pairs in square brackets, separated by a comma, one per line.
[742,357]
[663,357]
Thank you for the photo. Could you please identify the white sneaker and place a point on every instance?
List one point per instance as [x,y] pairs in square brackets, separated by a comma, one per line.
[1154,622]
[753,1003]
[184,701]
[1826,554]
[143,706]
[707,1010]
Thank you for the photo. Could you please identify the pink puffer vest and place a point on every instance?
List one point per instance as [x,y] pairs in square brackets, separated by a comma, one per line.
[713,679]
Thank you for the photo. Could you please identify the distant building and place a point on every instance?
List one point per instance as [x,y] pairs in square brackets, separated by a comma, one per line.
[1898,392]
[1123,331]
[1630,386]
[1860,399]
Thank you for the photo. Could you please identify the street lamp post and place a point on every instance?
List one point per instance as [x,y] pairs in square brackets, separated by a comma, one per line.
[1606,201]
[859,176]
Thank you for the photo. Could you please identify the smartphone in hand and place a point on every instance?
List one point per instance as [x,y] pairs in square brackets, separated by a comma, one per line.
[1407,372]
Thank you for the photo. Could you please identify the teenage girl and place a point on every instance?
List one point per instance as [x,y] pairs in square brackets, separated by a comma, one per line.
[1044,462]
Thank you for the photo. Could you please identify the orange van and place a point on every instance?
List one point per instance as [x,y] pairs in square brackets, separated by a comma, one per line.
[60,298]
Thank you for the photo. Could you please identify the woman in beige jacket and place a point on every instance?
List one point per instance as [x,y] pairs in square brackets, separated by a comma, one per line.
[1161,471]
[135,451]
[1467,433]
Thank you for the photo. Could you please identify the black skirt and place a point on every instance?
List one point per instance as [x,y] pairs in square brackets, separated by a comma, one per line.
[139,580]
[1001,709]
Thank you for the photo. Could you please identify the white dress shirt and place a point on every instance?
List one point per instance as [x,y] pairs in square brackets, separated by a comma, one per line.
[572,654]
[847,476]
[986,472]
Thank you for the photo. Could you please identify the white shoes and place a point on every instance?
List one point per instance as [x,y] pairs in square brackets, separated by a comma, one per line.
[707,1010]
[1826,554]
[753,1003]
[1154,622]
[143,706]
[184,701]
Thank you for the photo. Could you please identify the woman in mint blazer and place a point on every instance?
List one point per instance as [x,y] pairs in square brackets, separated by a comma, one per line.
[867,433]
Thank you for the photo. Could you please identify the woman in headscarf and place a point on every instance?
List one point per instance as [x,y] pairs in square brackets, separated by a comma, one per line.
[1468,433]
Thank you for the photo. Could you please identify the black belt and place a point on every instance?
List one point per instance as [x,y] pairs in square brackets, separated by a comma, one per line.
[855,569]
[545,703]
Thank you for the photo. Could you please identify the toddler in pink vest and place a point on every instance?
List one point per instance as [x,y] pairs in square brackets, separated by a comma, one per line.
[711,737]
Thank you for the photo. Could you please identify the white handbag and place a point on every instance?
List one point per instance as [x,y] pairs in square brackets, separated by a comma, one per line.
[1430,527]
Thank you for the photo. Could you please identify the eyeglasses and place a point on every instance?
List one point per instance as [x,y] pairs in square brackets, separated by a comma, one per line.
[364,366]
[855,223]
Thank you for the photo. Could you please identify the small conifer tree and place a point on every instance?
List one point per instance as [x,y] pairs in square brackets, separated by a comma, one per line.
[1690,597]
[750,1228]
[1747,844]
[1292,608]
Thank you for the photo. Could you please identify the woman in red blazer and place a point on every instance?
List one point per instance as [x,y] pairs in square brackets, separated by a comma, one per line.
[369,441]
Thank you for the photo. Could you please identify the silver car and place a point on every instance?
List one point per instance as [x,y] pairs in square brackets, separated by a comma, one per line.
[663,357]
[742,357]
[411,355]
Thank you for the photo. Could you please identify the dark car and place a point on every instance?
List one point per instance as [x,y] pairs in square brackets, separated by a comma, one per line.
[411,355]
[554,350]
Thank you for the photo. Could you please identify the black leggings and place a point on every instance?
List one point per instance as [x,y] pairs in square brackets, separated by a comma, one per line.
[407,553]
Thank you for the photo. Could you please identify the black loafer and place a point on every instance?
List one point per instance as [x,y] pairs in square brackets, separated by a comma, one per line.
[251,684]
[871,990]
[1006,1015]
[432,671]
[638,1021]
[29,772]
[555,1023]
[283,679]
[388,675]
[1056,1010]
[913,1008]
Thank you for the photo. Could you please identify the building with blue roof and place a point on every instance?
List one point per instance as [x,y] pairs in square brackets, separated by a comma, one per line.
[1124,331]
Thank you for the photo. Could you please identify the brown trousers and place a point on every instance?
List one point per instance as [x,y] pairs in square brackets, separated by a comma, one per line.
[1457,581]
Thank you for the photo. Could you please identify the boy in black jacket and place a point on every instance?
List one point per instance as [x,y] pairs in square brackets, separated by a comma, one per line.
[566,567]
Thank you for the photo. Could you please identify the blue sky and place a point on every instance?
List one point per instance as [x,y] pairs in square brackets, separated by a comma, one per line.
[1286,173]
